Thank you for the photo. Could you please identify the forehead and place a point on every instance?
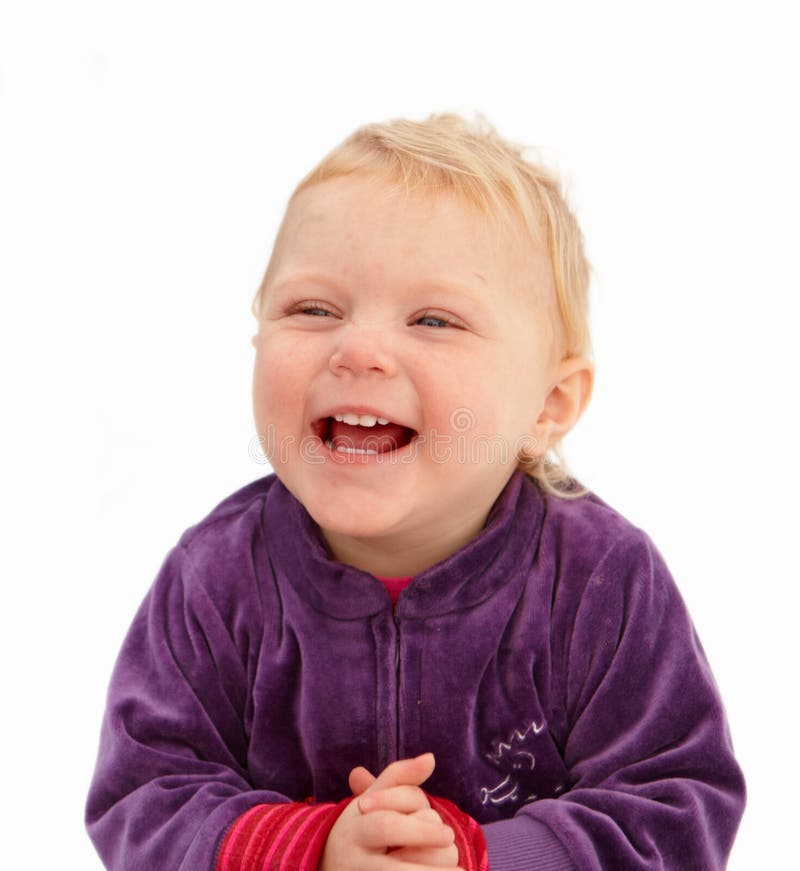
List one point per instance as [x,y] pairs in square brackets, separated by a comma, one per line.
[365,212]
[360,221]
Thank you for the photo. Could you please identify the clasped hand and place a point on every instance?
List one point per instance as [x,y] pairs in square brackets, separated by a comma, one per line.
[390,825]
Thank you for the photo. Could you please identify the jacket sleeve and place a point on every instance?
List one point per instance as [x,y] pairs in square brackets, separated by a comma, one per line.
[653,781]
[171,772]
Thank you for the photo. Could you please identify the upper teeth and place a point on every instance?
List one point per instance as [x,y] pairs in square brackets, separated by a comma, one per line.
[360,419]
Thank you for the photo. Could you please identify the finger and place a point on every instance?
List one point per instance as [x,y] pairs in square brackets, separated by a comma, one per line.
[387,862]
[430,815]
[360,780]
[385,829]
[439,857]
[403,799]
[405,772]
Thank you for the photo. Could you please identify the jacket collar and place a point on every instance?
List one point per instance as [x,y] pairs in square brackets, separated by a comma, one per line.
[499,556]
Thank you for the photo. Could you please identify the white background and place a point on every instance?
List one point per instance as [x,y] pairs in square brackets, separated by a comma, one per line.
[147,153]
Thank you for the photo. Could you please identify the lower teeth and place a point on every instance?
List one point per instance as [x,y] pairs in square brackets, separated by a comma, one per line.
[343,450]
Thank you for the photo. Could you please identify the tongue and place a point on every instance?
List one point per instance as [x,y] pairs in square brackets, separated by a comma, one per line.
[379,438]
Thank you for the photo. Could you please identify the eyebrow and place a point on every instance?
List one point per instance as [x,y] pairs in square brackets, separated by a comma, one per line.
[453,286]
[289,282]
[450,286]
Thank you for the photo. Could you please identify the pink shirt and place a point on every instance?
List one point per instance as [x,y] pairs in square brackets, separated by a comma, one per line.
[394,586]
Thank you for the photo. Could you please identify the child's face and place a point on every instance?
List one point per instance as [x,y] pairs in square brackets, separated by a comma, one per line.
[418,311]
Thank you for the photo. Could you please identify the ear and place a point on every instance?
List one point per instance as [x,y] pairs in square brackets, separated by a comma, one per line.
[565,402]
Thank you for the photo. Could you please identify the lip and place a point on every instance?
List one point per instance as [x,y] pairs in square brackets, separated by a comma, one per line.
[360,409]
[397,455]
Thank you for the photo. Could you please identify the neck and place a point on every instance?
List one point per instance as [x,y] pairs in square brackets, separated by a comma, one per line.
[391,556]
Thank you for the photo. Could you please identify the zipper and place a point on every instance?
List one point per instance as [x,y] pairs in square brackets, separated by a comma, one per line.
[396,686]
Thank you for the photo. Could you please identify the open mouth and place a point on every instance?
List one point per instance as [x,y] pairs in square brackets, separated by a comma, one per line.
[362,440]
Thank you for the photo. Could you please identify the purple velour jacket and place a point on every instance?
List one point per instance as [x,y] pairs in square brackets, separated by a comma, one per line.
[550,665]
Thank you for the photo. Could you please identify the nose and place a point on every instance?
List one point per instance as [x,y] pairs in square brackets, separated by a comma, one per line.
[363,349]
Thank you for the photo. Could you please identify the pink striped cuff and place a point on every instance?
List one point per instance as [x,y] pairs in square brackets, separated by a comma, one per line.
[471,844]
[270,837]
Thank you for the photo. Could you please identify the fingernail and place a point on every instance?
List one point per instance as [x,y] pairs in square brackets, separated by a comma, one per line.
[366,803]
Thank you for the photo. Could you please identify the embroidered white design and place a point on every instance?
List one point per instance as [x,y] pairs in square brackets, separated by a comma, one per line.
[504,749]
[495,794]
[511,753]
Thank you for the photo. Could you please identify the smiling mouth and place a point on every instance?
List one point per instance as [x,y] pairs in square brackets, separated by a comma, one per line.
[348,438]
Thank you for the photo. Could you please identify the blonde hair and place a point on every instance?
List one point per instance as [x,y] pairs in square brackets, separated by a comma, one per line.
[447,153]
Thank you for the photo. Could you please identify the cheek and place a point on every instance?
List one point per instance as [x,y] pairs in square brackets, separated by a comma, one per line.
[461,398]
[280,379]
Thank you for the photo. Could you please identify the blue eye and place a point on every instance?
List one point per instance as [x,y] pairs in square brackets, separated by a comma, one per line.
[313,308]
[433,321]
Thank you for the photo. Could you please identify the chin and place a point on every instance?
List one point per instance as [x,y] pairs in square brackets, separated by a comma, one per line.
[354,524]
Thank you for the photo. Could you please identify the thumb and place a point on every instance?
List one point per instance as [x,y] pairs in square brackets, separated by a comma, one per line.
[360,780]
[405,772]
